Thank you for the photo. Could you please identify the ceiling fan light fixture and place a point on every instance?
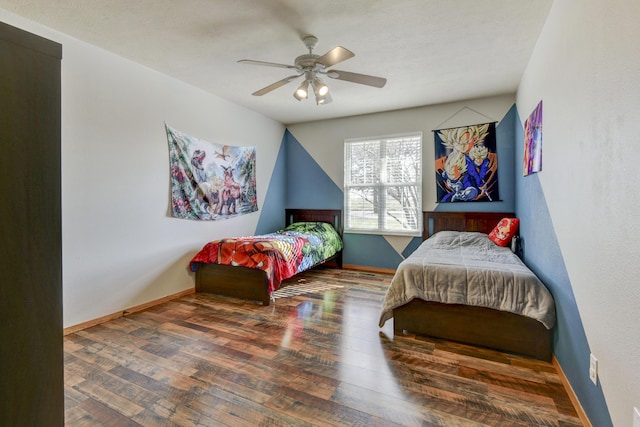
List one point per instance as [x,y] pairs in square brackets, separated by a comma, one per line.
[322,100]
[319,87]
[302,92]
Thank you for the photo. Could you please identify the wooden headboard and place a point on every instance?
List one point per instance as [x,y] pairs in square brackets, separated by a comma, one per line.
[483,222]
[332,216]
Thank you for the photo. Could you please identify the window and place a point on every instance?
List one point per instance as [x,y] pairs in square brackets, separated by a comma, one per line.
[383,185]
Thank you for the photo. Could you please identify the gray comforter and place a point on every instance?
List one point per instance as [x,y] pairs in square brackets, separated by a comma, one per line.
[467,268]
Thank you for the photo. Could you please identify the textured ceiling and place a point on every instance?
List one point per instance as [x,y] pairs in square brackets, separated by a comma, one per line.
[431,51]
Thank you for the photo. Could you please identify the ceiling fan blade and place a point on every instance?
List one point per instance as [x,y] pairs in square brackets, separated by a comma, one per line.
[276,85]
[268,64]
[334,56]
[357,78]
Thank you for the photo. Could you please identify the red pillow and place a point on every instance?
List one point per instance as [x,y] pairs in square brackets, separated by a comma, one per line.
[502,234]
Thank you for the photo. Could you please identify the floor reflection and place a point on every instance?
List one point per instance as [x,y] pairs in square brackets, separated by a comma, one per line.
[308,313]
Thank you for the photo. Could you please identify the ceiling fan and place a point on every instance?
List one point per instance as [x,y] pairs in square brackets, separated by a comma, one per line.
[312,66]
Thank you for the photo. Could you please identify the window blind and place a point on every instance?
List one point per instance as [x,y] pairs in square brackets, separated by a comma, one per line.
[383,185]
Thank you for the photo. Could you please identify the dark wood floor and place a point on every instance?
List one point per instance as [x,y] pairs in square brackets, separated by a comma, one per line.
[314,359]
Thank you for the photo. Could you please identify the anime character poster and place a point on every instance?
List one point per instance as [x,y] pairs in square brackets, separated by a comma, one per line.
[467,164]
[532,161]
[210,181]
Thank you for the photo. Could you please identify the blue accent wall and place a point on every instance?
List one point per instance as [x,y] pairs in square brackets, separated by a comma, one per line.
[308,185]
[412,246]
[542,254]
[370,250]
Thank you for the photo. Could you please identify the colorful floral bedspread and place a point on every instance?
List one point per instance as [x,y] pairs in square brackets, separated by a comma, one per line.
[281,254]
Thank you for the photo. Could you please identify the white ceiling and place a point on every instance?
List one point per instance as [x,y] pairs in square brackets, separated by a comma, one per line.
[431,51]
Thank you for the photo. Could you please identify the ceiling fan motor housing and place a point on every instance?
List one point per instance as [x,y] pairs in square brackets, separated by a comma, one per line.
[307,62]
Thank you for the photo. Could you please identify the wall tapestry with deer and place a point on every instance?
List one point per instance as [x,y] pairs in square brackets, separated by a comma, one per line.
[210,181]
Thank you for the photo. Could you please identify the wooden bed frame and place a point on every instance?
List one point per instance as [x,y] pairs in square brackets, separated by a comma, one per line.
[251,284]
[472,325]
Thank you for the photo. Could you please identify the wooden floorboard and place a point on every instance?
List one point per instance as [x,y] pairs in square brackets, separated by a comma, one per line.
[316,359]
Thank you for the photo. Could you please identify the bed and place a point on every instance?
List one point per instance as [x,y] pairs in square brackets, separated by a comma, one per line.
[253,283]
[511,323]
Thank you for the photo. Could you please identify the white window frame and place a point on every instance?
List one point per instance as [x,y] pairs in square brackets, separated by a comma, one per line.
[380,183]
